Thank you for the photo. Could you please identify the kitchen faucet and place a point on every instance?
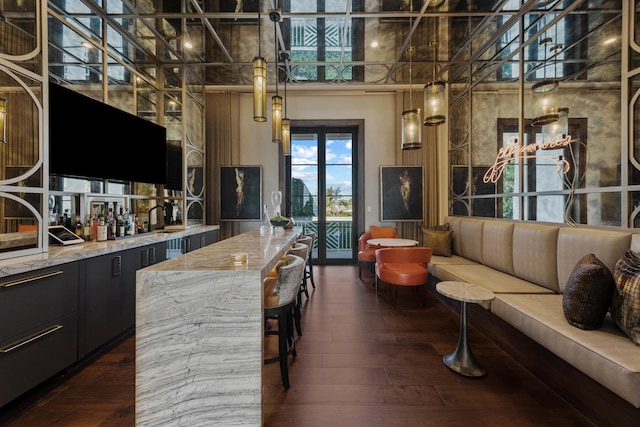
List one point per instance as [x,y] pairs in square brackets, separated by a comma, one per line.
[160,224]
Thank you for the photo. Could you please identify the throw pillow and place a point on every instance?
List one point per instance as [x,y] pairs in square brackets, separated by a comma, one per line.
[382,232]
[587,294]
[625,303]
[443,227]
[438,241]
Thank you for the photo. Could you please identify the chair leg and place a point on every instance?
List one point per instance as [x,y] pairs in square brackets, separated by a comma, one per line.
[292,341]
[283,340]
[310,264]
[297,314]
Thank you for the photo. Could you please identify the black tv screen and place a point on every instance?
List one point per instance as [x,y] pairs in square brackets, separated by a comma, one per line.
[90,139]
[174,167]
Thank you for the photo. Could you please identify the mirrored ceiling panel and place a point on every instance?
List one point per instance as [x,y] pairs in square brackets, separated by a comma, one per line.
[360,42]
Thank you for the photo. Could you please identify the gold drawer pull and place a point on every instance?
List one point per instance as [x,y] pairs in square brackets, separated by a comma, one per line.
[30,279]
[31,339]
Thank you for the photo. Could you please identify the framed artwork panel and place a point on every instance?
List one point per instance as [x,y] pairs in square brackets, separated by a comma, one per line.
[401,193]
[240,193]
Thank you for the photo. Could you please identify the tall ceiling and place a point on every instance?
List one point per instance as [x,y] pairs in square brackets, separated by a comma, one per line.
[376,43]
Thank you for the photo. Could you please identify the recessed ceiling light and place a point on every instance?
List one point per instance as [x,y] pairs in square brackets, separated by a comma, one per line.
[188,45]
[374,44]
[610,40]
[86,44]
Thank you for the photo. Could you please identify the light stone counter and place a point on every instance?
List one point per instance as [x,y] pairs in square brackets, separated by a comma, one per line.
[58,255]
[199,334]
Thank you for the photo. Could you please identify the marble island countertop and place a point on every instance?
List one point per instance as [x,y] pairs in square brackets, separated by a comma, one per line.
[262,253]
[199,334]
[57,255]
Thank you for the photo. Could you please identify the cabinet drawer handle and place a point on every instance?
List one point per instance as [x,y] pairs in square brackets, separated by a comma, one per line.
[116,266]
[30,339]
[30,279]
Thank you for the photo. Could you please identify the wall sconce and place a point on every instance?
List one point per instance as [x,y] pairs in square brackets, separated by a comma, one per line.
[3,120]
[259,82]
[434,96]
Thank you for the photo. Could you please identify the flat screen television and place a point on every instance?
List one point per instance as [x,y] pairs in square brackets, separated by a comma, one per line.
[174,167]
[90,139]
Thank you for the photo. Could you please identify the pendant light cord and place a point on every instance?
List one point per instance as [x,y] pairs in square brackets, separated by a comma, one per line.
[410,51]
[275,43]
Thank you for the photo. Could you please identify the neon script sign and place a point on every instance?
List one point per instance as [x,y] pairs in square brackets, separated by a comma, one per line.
[514,151]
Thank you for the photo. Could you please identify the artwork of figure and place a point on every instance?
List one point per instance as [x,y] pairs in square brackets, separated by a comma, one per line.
[401,193]
[239,190]
[405,190]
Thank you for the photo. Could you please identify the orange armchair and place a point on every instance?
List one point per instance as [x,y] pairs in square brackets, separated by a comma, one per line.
[402,267]
[366,255]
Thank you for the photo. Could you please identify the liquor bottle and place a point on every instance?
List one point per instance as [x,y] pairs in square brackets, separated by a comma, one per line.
[102,230]
[78,229]
[119,224]
[86,230]
[127,223]
[110,222]
[66,219]
[95,221]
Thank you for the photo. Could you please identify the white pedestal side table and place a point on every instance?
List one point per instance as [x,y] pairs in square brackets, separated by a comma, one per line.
[462,360]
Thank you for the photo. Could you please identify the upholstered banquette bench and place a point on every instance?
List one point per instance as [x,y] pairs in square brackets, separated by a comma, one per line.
[527,265]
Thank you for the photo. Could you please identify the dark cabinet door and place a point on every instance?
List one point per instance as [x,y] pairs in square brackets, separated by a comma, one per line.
[38,327]
[100,302]
[132,261]
[209,237]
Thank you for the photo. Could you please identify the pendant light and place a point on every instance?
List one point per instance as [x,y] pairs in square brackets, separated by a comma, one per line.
[556,131]
[3,120]
[545,93]
[434,95]
[259,82]
[411,129]
[276,100]
[286,122]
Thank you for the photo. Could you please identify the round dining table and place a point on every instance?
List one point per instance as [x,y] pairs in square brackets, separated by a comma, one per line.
[391,242]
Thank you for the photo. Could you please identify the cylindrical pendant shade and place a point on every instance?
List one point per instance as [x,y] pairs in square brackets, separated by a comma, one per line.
[286,137]
[434,103]
[411,130]
[545,102]
[556,130]
[259,89]
[3,120]
[276,115]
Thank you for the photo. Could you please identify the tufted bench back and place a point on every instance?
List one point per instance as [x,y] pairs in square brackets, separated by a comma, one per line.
[544,254]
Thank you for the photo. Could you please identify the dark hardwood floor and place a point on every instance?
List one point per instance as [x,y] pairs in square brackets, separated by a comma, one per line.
[361,362]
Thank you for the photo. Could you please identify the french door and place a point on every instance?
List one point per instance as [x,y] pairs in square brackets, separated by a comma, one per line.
[321,189]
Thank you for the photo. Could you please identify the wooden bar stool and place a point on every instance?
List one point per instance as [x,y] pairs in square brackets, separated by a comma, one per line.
[301,250]
[279,304]
[308,241]
[309,268]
